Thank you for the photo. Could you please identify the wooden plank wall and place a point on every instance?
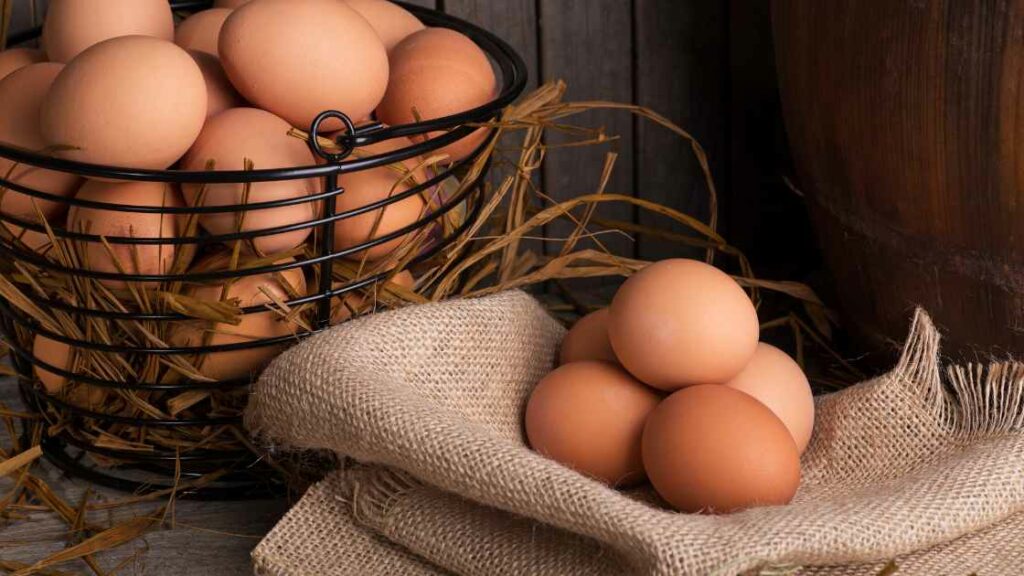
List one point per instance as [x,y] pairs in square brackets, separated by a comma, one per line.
[669,55]
[705,65]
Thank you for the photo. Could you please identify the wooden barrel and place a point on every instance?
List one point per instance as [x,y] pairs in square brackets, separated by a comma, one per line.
[906,123]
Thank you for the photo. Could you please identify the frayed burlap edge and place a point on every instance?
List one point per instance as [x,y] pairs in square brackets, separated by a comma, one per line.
[974,400]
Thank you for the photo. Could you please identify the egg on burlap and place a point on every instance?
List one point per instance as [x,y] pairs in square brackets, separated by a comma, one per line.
[16,58]
[779,383]
[712,449]
[682,322]
[590,417]
[588,340]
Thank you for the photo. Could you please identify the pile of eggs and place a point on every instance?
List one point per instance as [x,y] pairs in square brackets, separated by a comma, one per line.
[120,83]
[671,383]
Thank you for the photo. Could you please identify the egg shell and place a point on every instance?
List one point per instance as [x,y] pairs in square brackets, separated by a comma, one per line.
[588,340]
[201,31]
[151,259]
[589,416]
[298,58]
[60,355]
[777,381]
[354,302]
[682,322]
[220,94]
[17,58]
[228,140]
[713,449]
[436,73]
[366,187]
[30,239]
[132,102]
[229,3]
[22,94]
[72,26]
[414,165]
[399,176]
[56,354]
[245,292]
[391,22]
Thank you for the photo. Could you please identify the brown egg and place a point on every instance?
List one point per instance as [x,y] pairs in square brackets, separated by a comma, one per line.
[366,187]
[133,102]
[244,292]
[34,241]
[778,382]
[220,94]
[59,355]
[682,322]
[17,58]
[56,354]
[588,340]
[201,31]
[229,3]
[298,58]
[413,166]
[398,177]
[72,26]
[392,22]
[435,73]
[354,302]
[710,448]
[590,416]
[229,139]
[147,259]
[22,94]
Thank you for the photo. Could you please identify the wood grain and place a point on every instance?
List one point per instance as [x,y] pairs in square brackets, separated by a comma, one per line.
[905,122]
[681,71]
[22,15]
[760,214]
[589,43]
[424,3]
[514,21]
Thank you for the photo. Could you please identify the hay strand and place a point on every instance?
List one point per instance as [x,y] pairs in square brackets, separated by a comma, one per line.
[13,464]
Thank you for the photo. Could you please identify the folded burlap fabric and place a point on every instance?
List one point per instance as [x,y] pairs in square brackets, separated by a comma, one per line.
[922,465]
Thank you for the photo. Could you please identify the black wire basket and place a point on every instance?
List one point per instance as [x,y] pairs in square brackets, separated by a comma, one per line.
[241,472]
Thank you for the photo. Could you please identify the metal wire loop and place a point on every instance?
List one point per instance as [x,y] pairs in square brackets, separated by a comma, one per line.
[343,140]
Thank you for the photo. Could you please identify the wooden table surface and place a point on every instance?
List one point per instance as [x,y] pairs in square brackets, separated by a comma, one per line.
[207,538]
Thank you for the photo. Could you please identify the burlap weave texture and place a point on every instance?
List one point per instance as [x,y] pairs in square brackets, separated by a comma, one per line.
[919,464]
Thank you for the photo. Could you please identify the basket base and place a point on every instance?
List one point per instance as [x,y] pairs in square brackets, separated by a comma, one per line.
[243,476]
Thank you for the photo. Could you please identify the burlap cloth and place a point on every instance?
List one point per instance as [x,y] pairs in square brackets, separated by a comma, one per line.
[923,465]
